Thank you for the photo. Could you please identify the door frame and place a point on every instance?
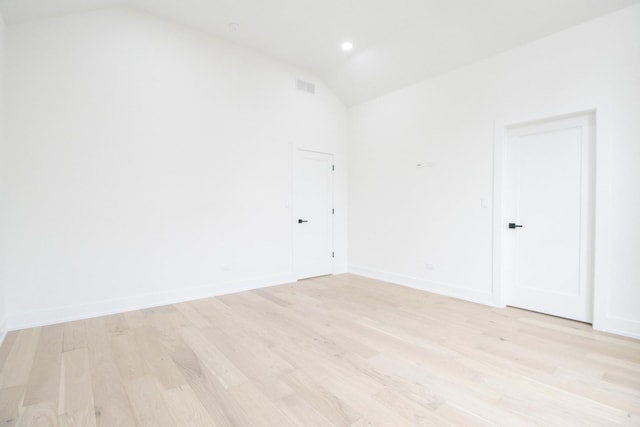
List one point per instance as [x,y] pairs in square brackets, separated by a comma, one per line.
[602,205]
[294,153]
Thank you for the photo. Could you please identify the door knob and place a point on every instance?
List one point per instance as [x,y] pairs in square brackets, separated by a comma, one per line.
[514,225]
[300,221]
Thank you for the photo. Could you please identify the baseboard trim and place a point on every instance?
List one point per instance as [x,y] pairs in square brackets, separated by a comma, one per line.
[104,308]
[611,324]
[450,290]
[619,326]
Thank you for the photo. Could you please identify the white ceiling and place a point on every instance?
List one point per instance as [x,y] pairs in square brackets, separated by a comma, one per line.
[397,42]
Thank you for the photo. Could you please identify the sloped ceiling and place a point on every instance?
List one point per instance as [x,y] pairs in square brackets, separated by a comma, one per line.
[397,42]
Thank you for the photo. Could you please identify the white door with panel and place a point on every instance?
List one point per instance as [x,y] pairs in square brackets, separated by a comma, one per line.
[550,216]
[313,214]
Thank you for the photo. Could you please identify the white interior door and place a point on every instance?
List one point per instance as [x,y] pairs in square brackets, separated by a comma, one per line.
[550,216]
[313,208]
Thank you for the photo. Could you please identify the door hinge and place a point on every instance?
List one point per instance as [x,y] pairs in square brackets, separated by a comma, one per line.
[333,211]
[333,167]
[333,254]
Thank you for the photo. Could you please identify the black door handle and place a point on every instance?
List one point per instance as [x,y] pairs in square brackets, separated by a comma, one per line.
[300,221]
[514,225]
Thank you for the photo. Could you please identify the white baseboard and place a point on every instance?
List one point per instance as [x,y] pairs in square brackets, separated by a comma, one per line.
[103,308]
[619,326]
[441,288]
[611,324]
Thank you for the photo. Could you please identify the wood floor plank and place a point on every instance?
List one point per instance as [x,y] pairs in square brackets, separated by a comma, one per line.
[459,416]
[17,366]
[323,401]
[112,406]
[135,319]
[127,356]
[255,361]
[148,404]
[75,335]
[7,345]
[38,415]
[207,388]
[337,351]
[76,405]
[156,358]
[362,400]
[178,320]
[257,408]
[186,408]
[117,324]
[84,417]
[215,361]
[44,380]
[300,412]
[412,411]
[190,313]
[10,402]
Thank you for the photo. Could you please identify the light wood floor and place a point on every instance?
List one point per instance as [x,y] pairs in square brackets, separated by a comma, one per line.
[342,350]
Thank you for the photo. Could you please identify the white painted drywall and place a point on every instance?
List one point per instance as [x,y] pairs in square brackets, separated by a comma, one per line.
[3,317]
[147,163]
[430,229]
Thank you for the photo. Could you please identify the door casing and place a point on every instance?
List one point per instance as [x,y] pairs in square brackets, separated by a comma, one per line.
[556,275]
[298,266]
[603,197]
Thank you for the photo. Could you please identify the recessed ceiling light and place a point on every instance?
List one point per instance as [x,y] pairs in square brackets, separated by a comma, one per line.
[346,46]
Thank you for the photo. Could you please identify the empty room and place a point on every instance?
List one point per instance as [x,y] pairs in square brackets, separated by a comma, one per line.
[320,213]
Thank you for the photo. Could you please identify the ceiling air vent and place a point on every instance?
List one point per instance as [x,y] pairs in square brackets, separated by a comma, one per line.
[306,86]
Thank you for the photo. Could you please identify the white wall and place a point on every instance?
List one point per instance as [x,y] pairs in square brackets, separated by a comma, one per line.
[432,215]
[3,317]
[148,163]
